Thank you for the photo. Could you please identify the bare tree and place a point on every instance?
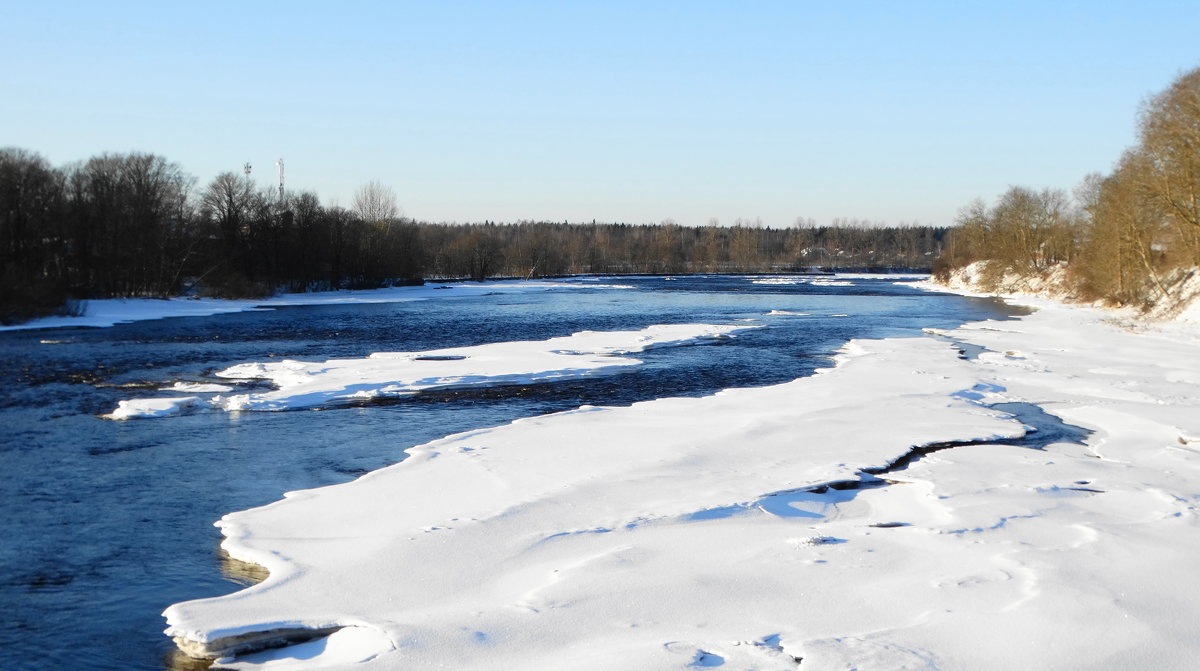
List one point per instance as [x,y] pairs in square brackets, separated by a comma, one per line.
[1170,139]
[32,241]
[374,202]
[227,202]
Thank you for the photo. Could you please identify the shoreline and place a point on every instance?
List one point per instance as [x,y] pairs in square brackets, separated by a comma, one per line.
[109,312]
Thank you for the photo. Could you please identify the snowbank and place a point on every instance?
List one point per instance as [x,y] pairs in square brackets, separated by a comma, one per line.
[109,312]
[1186,306]
[974,279]
[304,384]
[690,532]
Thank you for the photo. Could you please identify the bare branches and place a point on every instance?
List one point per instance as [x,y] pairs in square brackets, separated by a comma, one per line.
[374,202]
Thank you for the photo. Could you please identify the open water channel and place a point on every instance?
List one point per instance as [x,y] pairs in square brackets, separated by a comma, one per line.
[107,523]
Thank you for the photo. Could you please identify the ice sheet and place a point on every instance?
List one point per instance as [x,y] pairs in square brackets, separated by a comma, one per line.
[604,529]
[153,407]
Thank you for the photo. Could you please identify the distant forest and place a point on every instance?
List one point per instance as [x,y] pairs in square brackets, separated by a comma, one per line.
[1131,237]
[123,225]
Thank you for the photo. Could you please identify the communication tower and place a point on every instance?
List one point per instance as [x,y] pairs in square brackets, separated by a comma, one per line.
[246,169]
[279,164]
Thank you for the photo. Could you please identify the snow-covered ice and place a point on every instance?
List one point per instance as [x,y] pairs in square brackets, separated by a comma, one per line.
[883,276]
[690,532]
[781,281]
[304,384]
[604,534]
[199,387]
[153,407]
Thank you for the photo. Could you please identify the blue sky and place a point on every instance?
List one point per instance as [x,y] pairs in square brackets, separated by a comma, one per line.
[614,111]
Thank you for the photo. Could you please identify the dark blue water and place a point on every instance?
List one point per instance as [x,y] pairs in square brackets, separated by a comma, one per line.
[107,523]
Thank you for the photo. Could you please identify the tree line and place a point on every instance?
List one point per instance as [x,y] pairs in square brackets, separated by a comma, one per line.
[135,224]
[1131,237]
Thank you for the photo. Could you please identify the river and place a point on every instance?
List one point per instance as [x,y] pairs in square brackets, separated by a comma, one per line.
[106,523]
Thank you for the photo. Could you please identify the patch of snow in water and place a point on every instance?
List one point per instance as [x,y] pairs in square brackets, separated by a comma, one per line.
[153,407]
[782,281]
[832,283]
[303,384]
[199,387]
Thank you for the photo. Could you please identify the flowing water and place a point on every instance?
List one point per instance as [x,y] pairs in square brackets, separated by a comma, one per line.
[107,523]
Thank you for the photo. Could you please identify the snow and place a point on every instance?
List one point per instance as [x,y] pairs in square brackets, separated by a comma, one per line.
[1182,305]
[883,276]
[199,387]
[973,280]
[302,384]
[837,279]
[152,407]
[602,534]
[112,311]
[344,647]
[693,532]
[781,281]
[1185,303]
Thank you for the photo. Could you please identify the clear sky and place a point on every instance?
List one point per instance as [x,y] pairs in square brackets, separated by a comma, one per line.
[614,111]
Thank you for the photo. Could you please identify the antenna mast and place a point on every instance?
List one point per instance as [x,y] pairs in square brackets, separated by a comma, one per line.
[279,164]
[246,169]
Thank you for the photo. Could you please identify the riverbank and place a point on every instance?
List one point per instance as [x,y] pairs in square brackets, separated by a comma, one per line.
[758,527]
[1181,304]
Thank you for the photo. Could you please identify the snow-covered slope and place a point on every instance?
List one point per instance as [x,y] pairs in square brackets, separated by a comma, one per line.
[1183,303]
